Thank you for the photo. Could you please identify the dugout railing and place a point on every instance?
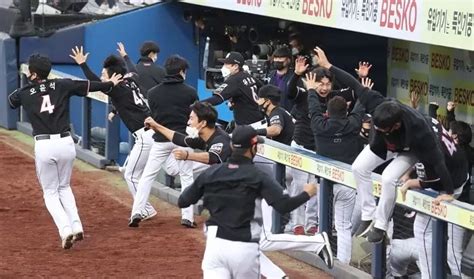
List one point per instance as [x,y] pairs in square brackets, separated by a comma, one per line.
[331,171]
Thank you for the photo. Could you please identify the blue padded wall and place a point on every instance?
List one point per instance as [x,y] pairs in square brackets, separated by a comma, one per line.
[9,78]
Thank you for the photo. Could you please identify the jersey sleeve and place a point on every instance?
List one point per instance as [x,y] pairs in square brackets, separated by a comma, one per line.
[74,87]
[227,90]
[14,99]
[219,151]
[277,119]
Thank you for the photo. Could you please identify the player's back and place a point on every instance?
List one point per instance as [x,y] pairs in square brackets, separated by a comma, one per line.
[47,103]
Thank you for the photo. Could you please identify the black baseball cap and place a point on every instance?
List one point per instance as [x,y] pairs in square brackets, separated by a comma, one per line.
[270,92]
[244,136]
[233,57]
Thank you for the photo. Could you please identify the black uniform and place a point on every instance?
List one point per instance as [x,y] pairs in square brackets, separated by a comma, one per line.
[126,98]
[170,103]
[415,134]
[241,89]
[218,145]
[336,138]
[232,192]
[456,162]
[149,74]
[47,102]
[279,116]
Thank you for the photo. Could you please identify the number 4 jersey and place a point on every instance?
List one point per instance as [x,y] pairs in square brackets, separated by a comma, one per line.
[455,158]
[47,103]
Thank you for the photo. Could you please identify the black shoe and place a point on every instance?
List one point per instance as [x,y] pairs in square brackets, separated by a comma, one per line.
[67,242]
[326,252]
[376,235]
[78,236]
[364,228]
[188,224]
[135,220]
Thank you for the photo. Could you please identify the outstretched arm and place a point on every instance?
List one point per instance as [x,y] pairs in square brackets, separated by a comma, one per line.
[123,53]
[80,58]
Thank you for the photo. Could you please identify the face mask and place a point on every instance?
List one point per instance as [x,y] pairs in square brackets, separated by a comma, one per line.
[279,65]
[192,132]
[225,72]
[263,108]
[295,51]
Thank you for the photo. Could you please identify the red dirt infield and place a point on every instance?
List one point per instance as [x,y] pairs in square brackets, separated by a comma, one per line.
[30,245]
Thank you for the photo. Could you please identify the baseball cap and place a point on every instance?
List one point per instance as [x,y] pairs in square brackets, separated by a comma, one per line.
[270,92]
[233,58]
[244,136]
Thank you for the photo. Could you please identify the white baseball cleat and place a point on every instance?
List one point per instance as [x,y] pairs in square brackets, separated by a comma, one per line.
[326,253]
[149,215]
[67,242]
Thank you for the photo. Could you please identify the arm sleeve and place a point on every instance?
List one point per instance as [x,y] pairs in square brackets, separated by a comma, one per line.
[315,111]
[355,117]
[292,88]
[214,100]
[88,72]
[450,116]
[191,194]
[14,99]
[105,87]
[272,192]
[185,141]
[130,66]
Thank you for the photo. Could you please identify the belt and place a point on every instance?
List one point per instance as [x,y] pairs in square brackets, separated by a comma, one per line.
[53,136]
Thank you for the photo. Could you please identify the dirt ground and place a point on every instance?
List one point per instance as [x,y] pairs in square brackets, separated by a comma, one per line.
[30,245]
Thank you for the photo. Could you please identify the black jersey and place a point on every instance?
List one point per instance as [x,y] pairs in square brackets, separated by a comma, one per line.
[218,145]
[241,89]
[279,116]
[455,158]
[128,100]
[47,103]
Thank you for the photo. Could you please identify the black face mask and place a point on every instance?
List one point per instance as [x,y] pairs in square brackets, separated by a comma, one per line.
[263,108]
[279,65]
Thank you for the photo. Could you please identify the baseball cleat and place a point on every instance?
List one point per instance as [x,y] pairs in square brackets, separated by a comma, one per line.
[326,253]
[298,230]
[149,215]
[364,228]
[135,220]
[188,224]
[376,235]
[67,242]
[78,236]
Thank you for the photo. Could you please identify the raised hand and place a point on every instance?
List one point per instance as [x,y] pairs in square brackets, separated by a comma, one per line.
[78,55]
[300,65]
[310,81]
[363,70]
[367,82]
[451,106]
[121,49]
[323,60]
[115,78]
[443,198]
[414,99]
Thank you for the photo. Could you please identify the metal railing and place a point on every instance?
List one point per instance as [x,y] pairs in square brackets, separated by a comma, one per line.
[331,171]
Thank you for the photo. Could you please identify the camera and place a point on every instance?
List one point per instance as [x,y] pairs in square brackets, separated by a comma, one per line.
[257,68]
[263,50]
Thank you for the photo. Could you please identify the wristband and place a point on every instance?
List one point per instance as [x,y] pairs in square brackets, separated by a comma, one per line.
[187,155]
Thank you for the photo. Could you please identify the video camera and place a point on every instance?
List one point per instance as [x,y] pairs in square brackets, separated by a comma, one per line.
[257,68]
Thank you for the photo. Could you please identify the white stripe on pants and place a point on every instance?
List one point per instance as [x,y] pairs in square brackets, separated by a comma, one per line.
[136,162]
[344,200]
[239,260]
[54,159]
[160,155]
[281,242]
[362,169]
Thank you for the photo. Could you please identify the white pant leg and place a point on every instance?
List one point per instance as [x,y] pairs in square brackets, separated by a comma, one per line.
[136,162]
[312,207]
[50,155]
[356,215]
[344,199]
[269,269]
[186,176]
[198,168]
[159,153]
[403,252]
[390,177]
[265,165]
[362,169]
[65,164]
[455,248]
[240,260]
[422,228]
[295,188]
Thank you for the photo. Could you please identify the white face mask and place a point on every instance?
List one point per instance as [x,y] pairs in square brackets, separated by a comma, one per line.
[192,132]
[225,72]
[295,51]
